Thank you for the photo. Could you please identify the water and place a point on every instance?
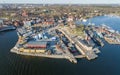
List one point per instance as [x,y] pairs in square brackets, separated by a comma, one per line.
[113,21]
[12,64]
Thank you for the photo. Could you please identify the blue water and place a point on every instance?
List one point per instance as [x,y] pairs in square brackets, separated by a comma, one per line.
[113,22]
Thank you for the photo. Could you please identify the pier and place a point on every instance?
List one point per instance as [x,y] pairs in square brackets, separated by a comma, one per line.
[111,40]
[68,54]
[79,56]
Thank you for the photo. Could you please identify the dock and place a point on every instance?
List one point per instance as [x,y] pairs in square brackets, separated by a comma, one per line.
[68,56]
[111,41]
[88,54]
[79,56]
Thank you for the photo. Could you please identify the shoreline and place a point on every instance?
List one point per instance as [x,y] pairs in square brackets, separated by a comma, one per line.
[36,54]
[45,55]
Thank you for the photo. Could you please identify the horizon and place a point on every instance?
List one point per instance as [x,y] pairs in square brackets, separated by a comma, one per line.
[65,3]
[59,2]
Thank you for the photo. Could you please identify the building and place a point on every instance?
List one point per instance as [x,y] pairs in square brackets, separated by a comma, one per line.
[85,45]
[24,13]
[35,47]
[27,23]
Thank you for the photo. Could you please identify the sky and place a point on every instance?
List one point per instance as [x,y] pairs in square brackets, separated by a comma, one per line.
[63,1]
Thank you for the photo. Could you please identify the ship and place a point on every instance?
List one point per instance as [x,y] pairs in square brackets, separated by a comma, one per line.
[96,39]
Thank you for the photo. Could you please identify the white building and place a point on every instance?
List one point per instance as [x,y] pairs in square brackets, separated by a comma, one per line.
[27,23]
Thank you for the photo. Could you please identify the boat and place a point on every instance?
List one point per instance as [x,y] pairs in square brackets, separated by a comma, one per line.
[96,39]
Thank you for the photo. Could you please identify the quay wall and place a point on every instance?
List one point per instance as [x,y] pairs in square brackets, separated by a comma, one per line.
[36,54]
[42,55]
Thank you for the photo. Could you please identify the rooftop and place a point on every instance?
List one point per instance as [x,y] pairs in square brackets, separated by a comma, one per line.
[37,43]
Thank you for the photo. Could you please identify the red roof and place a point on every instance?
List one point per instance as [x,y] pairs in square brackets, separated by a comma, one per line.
[36,46]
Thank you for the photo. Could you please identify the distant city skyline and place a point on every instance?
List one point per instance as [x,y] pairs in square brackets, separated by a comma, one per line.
[62,1]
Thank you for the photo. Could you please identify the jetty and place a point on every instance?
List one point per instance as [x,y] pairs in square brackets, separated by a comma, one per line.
[112,40]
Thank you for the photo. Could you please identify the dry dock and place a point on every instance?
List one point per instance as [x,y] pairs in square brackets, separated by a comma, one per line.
[88,54]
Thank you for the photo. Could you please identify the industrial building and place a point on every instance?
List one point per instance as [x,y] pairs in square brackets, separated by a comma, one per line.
[35,47]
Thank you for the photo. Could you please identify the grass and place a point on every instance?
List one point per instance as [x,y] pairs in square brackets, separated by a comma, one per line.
[79,30]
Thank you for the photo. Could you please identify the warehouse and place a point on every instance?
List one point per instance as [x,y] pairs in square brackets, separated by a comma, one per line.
[35,47]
